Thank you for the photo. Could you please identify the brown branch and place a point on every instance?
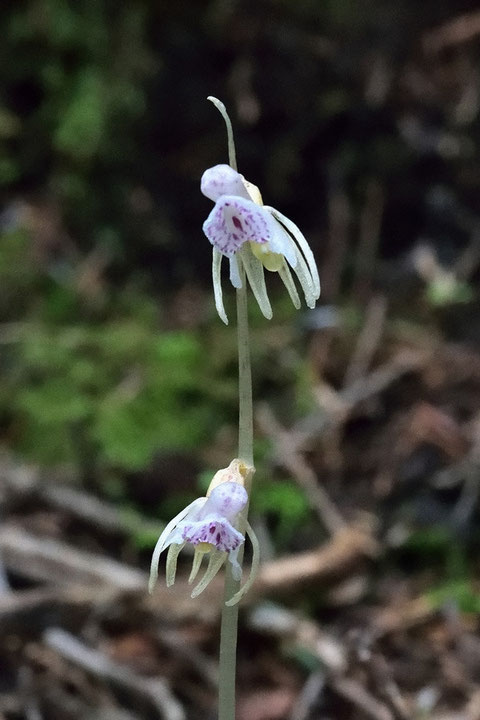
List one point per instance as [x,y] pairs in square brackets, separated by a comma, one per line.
[312,426]
[25,482]
[277,621]
[455,32]
[101,666]
[368,340]
[308,696]
[402,617]
[355,693]
[53,561]
[287,455]
[343,551]
[30,611]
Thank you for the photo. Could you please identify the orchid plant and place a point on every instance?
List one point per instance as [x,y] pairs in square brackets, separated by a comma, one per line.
[254,238]
[257,236]
[207,523]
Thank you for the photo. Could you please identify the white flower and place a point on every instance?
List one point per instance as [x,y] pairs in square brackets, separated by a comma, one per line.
[256,236]
[208,523]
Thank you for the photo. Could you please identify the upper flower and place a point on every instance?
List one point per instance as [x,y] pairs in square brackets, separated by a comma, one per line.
[253,236]
[208,524]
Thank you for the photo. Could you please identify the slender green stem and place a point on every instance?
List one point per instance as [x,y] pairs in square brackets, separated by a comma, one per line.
[228,652]
[245,414]
[228,632]
[232,157]
[229,626]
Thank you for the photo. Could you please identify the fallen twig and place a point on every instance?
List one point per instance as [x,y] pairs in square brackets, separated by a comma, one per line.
[99,665]
[195,658]
[342,552]
[403,617]
[355,693]
[287,455]
[54,561]
[308,696]
[296,630]
[30,611]
[305,431]
[455,32]
[25,683]
[27,482]
[368,340]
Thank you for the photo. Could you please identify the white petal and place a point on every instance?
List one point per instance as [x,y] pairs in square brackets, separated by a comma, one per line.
[236,567]
[165,538]
[235,221]
[256,278]
[283,244]
[253,569]
[302,272]
[286,276]
[235,278]
[222,180]
[226,500]
[304,246]
[216,561]
[217,284]
[171,564]
[197,561]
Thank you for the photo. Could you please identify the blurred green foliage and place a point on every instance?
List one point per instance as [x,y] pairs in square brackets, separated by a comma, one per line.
[284,504]
[91,377]
[117,388]
[99,381]
[462,594]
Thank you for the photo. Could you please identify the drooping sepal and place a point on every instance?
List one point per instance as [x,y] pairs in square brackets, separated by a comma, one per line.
[253,569]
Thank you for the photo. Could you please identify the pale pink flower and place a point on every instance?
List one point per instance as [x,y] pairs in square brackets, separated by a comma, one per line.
[208,523]
[256,236]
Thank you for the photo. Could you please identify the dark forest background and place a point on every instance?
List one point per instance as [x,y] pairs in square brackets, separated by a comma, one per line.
[360,121]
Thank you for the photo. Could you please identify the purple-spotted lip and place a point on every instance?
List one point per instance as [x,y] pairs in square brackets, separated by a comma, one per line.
[219,533]
[234,221]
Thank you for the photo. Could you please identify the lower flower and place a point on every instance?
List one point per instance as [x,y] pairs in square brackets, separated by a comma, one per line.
[208,524]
